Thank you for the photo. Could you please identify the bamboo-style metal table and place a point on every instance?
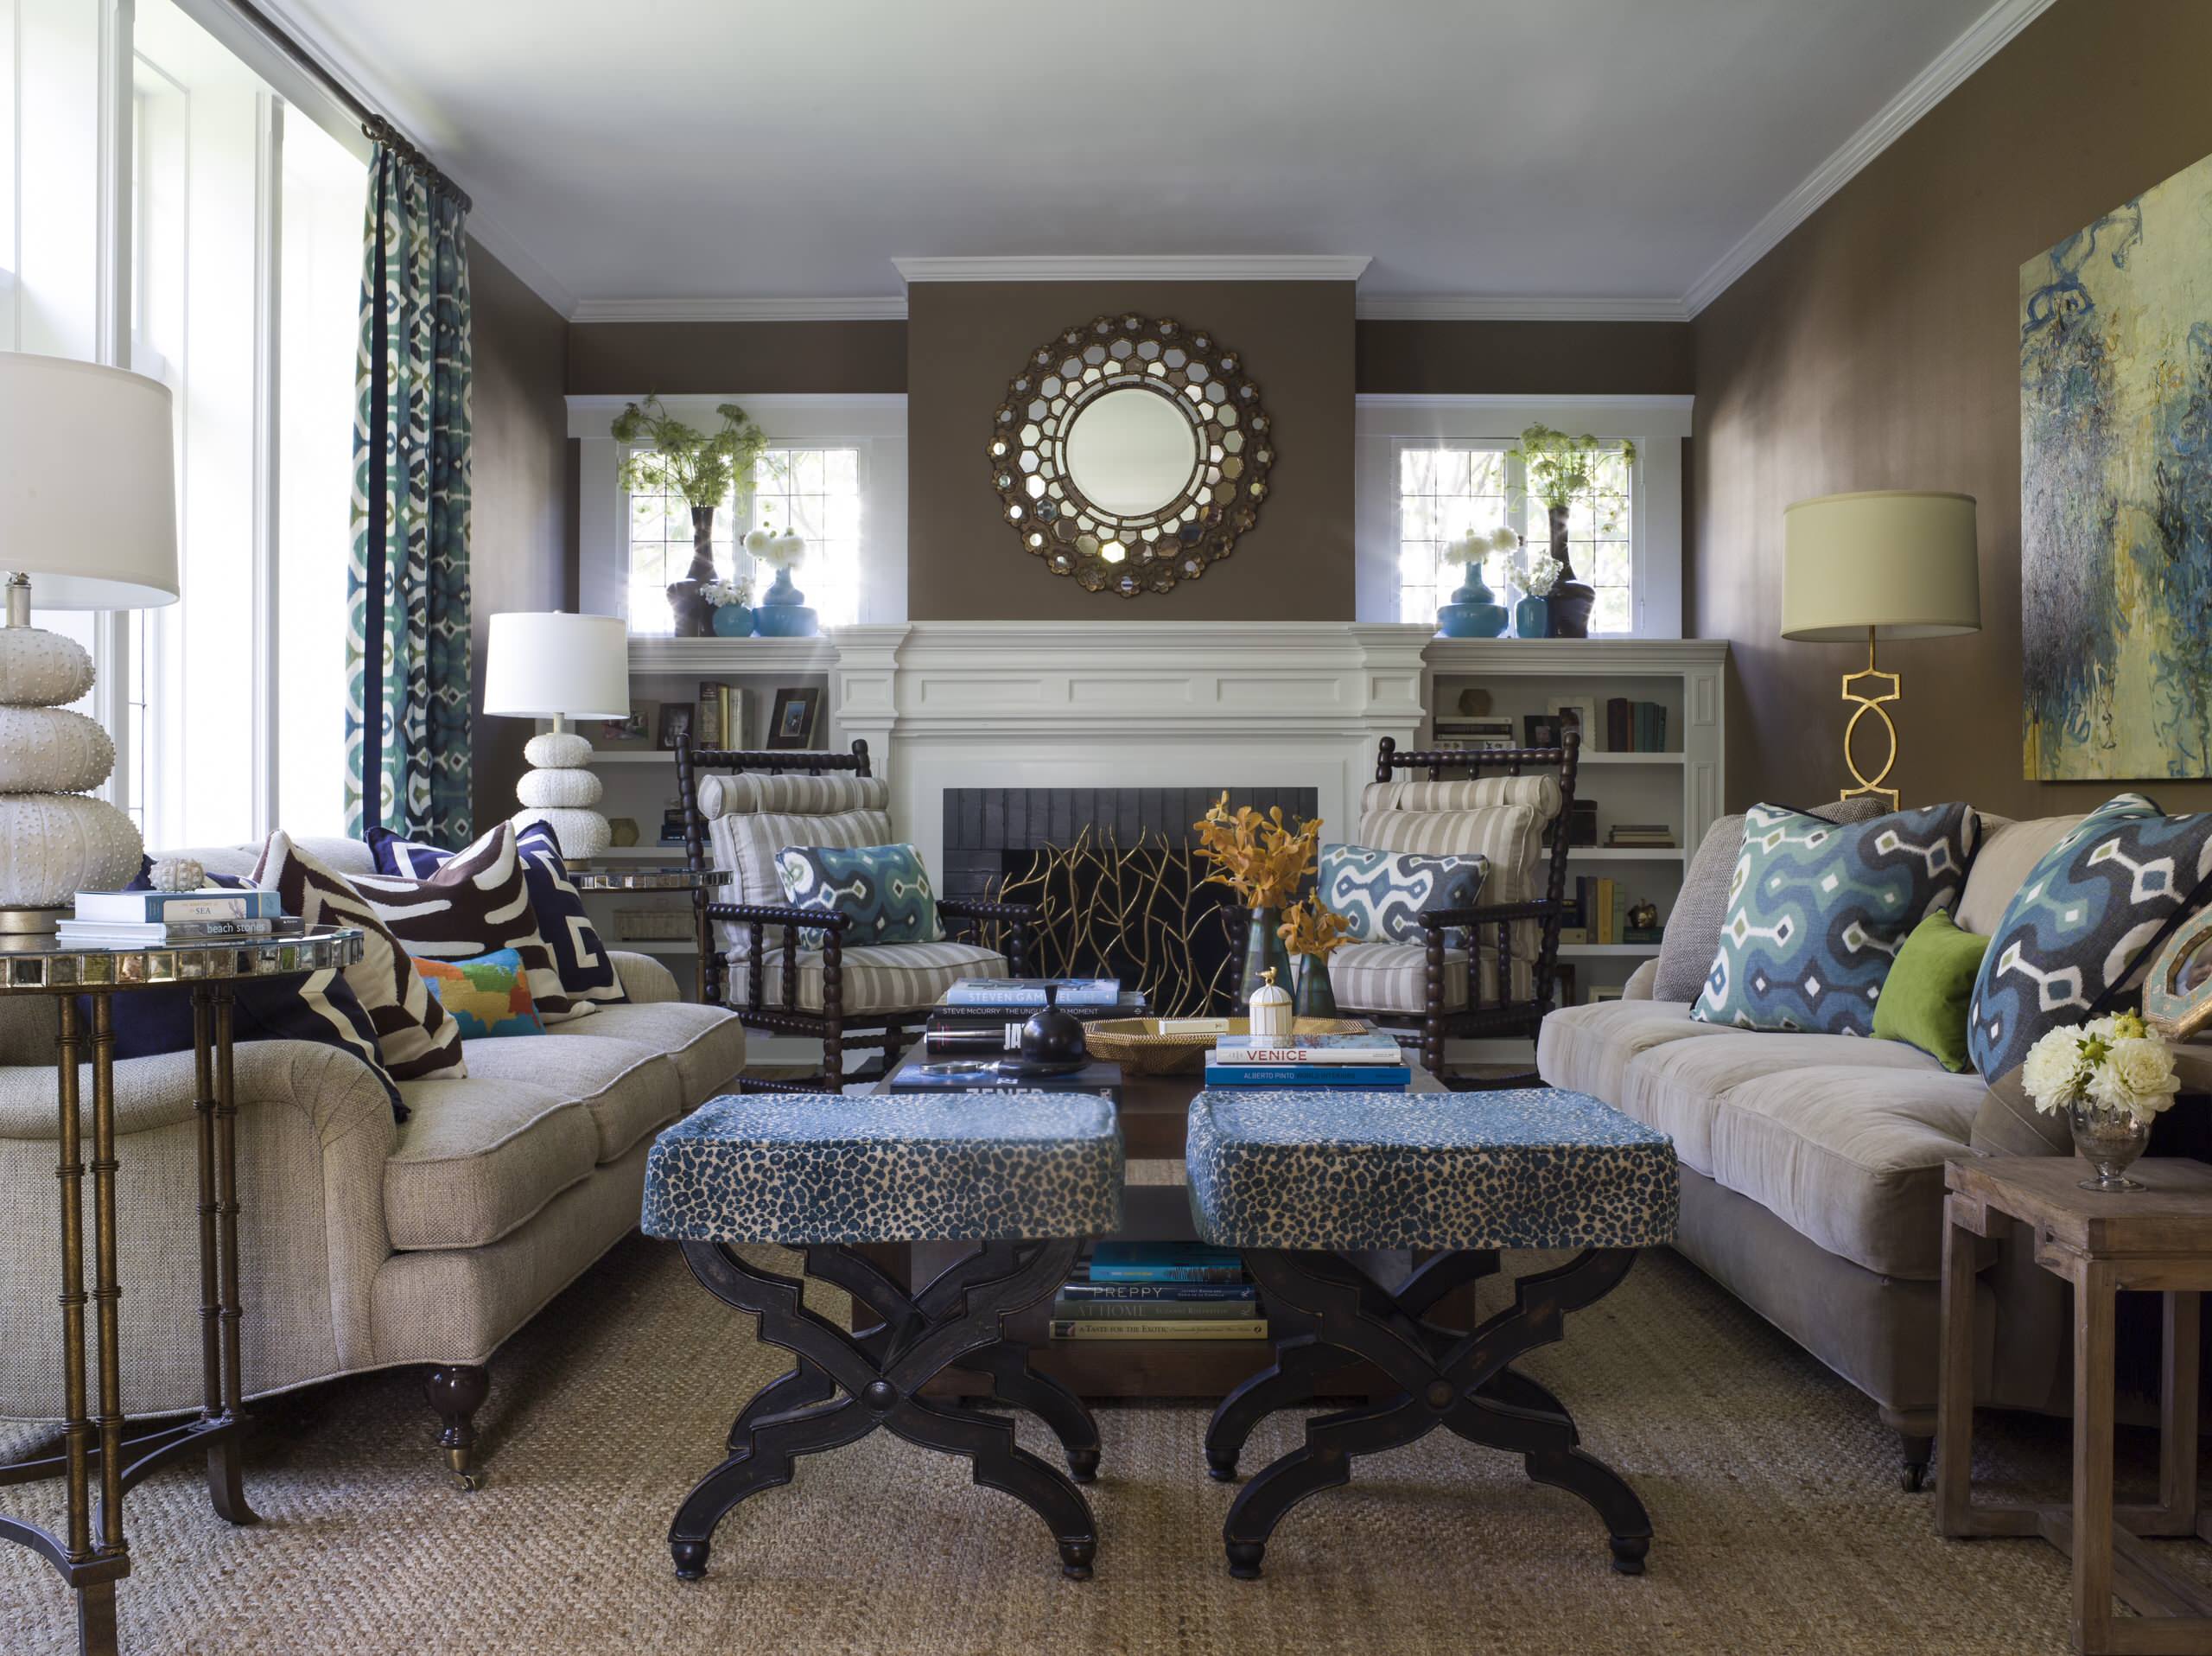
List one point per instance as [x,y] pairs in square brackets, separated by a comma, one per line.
[2158,1240]
[92,1553]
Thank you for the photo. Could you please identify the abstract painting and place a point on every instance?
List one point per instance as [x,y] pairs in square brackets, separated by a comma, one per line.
[2116,492]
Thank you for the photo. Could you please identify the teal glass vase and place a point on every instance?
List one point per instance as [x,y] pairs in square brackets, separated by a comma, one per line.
[1532,618]
[1315,998]
[1474,610]
[1264,951]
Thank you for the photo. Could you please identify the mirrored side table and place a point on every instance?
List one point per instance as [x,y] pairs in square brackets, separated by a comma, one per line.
[672,877]
[97,1444]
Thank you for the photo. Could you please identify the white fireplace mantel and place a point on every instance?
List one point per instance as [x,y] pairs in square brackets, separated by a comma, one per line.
[947,704]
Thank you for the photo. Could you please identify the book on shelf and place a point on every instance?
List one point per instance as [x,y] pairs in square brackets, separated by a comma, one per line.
[181,931]
[1164,1262]
[1076,994]
[1154,1328]
[1080,1290]
[1353,1049]
[1094,1310]
[1635,727]
[1599,910]
[1374,1078]
[1642,933]
[209,902]
[721,714]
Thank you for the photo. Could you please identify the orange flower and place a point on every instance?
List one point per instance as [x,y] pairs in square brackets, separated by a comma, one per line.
[1261,858]
[1307,928]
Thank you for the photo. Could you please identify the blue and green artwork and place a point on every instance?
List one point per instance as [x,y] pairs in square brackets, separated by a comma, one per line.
[2116,492]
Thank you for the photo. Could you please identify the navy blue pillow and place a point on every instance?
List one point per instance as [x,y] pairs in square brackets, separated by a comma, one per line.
[321,1008]
[586,969]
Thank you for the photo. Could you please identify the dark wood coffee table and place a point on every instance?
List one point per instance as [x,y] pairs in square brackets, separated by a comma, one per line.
[1155,1208]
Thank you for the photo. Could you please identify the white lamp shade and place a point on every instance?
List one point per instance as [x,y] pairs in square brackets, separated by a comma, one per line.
[541,667]
[1898,561]
[88,495]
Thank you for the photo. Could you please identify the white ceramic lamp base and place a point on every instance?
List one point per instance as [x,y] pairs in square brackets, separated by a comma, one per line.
[560,793]
[55,839]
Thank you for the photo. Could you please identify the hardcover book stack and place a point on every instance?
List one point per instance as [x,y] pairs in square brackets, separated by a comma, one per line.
[973,1040]
[1159,1290]
[1369,1061]
[1633,727]
[147,920]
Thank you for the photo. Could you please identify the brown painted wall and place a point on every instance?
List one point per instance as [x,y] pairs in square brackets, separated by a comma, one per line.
[965,340]
[520,551]
[630,358]
[1539,359]
[1877,348]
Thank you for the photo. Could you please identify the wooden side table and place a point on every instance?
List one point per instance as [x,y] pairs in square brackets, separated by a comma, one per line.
[2159,1239]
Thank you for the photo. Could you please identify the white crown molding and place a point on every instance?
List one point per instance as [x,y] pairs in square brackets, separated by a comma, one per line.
[874,308]
[1164,267]
[1982,41]
[1529,308]
[521,262]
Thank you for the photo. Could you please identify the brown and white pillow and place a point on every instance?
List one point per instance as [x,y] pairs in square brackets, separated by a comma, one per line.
[475,902]
[415,1036]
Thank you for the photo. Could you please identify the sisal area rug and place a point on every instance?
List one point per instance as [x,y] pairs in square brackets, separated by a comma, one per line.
[1780,1526]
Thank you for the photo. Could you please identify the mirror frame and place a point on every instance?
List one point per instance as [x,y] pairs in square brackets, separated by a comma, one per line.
[1196,375]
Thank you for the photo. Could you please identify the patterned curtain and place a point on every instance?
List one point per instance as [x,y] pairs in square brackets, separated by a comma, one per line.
[408,668]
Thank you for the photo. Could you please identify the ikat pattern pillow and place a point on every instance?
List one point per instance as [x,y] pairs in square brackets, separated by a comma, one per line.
[2087,919]
[883,890]
[1817,911]
[1384,894]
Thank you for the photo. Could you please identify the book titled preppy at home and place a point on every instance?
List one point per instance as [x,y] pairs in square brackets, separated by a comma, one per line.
[1085,1293]
[1076,993]
[1095,1310]
[155,908]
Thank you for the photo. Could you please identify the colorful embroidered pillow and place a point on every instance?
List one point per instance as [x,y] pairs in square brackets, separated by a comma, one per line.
[1817,911]
[415,1038]
[475,902]
[488,995]
[883,890]
[319,1008]
[586,969]
[2089,915]
[1383,894]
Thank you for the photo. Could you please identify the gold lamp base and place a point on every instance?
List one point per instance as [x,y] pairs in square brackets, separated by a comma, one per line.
[1865,691]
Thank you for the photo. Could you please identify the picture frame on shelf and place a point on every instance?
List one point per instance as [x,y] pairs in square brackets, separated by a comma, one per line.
[1599,992]
[1540,730]
[632,733]
[676,722]
[1581,716]
[791,717]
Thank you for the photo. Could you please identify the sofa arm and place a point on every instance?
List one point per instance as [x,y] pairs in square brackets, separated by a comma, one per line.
[644,980]
[1638,986]
[314,1130]
[2008,1123]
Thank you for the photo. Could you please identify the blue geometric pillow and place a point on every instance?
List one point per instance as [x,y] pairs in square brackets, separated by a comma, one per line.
[1383,894]
[586,971]
[883,890]
[1817,911]
[2091,912]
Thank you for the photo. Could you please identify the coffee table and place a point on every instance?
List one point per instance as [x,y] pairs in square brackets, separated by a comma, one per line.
[1155,1208]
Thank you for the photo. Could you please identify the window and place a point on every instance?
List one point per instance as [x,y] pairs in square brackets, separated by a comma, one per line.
[1448,490]
[813,492]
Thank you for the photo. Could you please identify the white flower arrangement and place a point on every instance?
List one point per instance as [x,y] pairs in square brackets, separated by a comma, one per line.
[1478,546]
[1540,573]
[783,551]
[723,592]
[2113,1063]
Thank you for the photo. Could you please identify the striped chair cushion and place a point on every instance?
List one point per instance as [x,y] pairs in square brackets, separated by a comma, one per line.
[1393,978]
[750,793]
[1510,836]
[1541,793]
[892,978]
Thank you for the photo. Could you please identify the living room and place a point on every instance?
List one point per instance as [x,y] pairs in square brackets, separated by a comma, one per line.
[810,784]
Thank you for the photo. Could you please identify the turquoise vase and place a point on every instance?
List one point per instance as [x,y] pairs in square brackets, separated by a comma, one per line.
[732,620]
[783,613]
[1316,998]
[1474,611]
[1263,949]
[1532,618]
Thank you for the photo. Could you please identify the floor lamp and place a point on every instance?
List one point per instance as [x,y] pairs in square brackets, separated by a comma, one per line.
[1886,564]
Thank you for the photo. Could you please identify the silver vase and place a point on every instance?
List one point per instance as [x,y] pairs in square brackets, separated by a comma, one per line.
[2109,1141]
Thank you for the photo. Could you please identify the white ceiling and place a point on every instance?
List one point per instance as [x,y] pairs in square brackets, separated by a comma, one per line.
[1572,150]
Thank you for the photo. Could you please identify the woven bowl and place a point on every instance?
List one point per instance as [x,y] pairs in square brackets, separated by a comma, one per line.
[1139,1048]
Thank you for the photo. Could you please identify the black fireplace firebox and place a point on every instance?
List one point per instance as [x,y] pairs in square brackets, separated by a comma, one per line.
[1113,871]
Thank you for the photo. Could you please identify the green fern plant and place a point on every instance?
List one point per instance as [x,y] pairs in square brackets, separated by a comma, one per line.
[661,452]
[1559,466]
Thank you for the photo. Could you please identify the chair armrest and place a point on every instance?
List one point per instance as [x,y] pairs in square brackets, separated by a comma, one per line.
[1440,920]
[1018,914]
[643,979]
[814,920]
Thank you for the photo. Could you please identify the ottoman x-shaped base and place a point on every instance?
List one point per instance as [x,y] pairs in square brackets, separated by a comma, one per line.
[1327,1312]
[952,1323]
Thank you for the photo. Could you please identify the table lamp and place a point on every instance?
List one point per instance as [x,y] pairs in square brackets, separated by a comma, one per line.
[559,666]
[88,510]
[1896,564]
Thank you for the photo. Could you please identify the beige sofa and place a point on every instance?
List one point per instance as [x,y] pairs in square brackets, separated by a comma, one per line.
[365,1243]
[1812,1173]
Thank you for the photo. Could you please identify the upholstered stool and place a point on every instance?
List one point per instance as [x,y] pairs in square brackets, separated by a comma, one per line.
[1025,1175]
[1292,1177]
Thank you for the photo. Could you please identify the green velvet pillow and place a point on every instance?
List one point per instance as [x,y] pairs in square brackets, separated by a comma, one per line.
[1924,1001]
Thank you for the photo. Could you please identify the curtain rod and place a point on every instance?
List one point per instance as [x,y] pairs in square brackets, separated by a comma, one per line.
[375,126]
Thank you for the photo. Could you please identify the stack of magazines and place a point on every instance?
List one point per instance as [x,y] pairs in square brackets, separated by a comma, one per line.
[151,919]
[1159,1290]
[1371,1061]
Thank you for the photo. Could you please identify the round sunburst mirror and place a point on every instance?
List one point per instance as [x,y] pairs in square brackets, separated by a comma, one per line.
[1130,452]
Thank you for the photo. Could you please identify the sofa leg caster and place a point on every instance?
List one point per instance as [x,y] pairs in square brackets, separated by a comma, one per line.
[455,1393]
[1917,1453]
